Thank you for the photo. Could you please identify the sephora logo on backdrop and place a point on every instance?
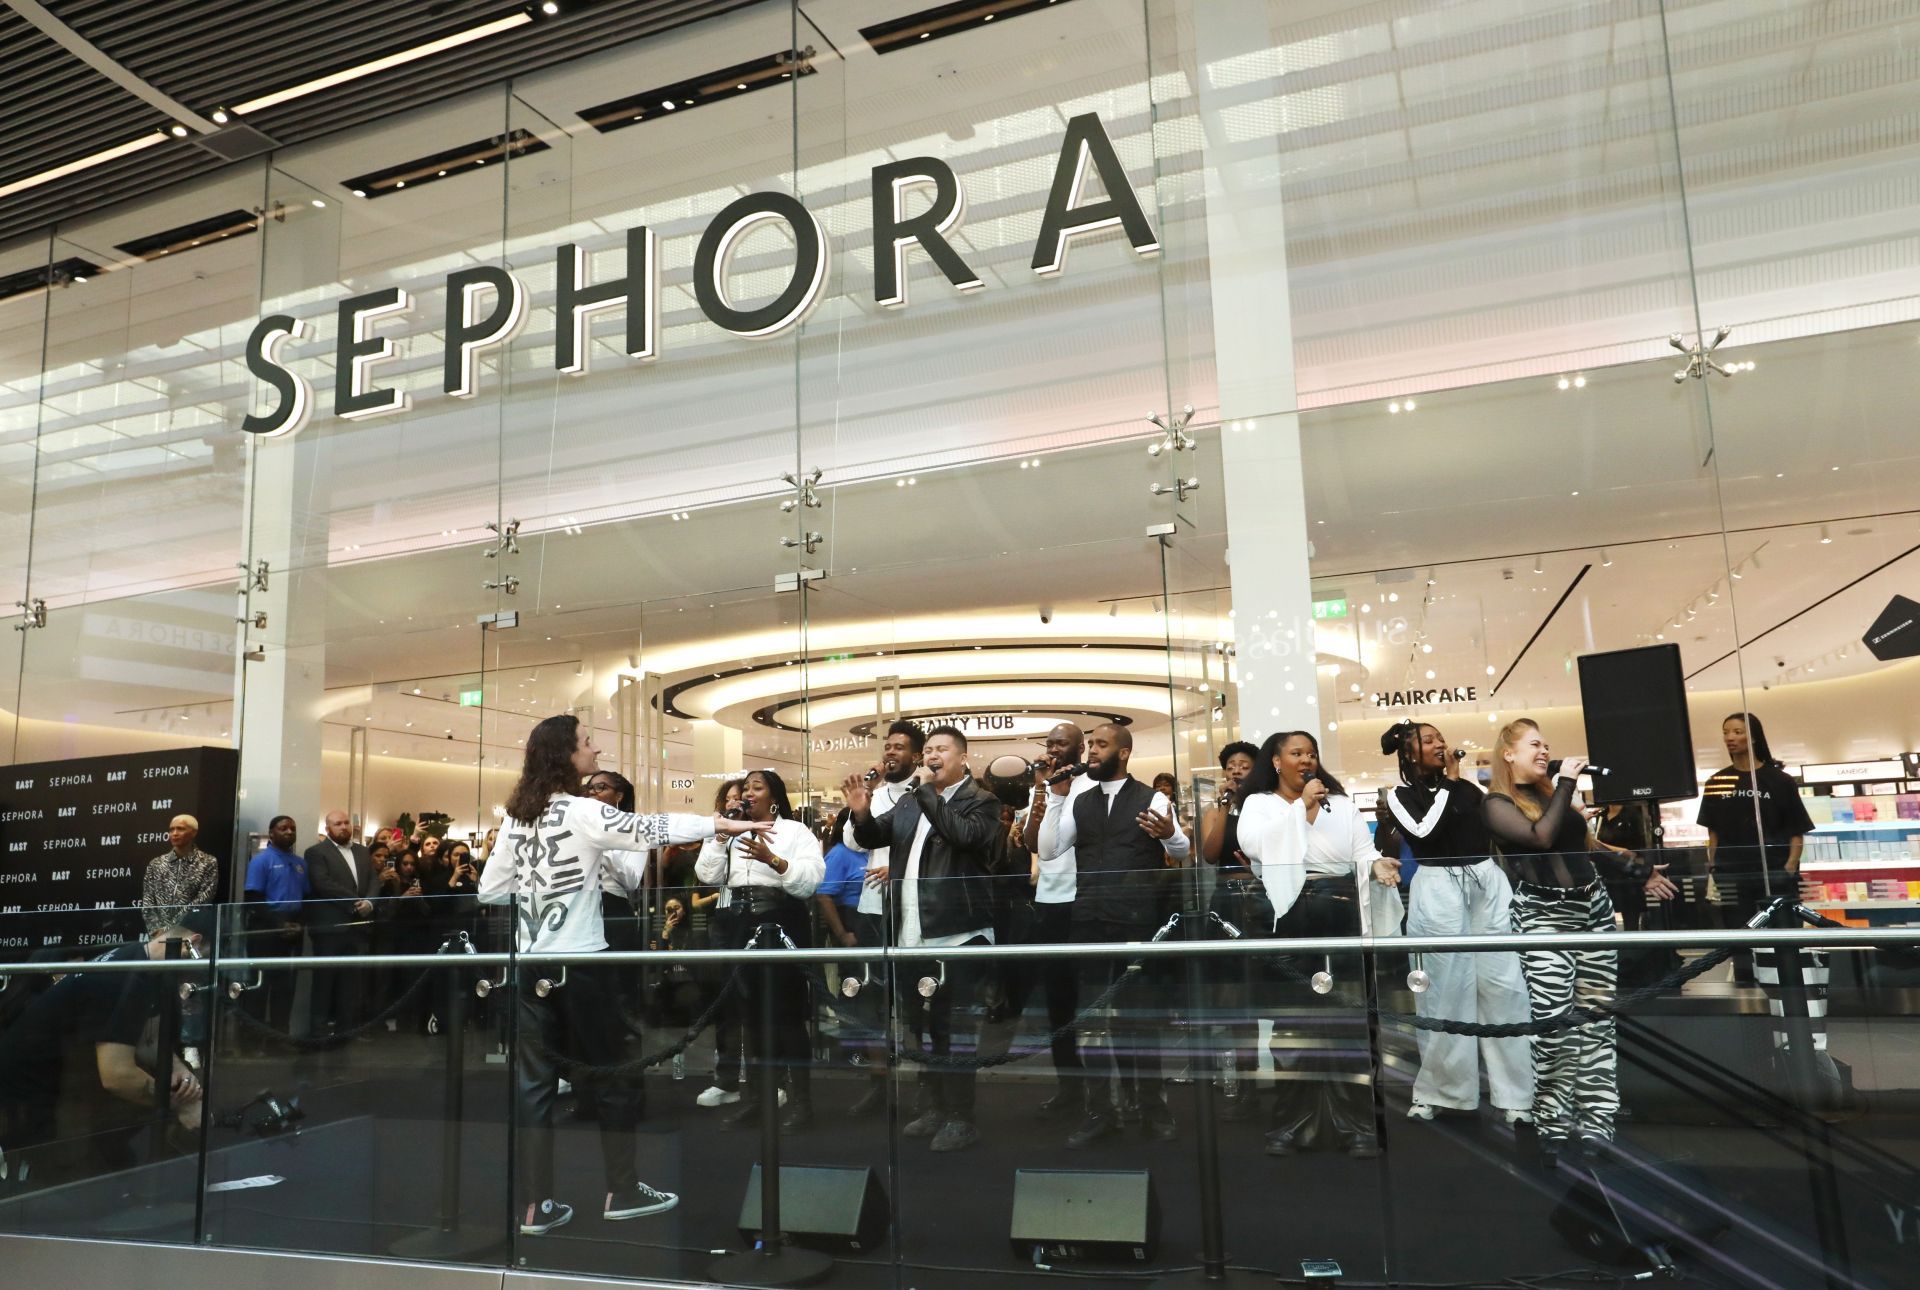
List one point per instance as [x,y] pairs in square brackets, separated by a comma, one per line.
[486,305]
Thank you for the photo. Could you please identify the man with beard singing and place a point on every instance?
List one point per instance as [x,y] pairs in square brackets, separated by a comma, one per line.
[1121,834]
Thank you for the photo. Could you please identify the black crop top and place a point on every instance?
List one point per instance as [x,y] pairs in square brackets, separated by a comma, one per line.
[1441,831]
[1554,850]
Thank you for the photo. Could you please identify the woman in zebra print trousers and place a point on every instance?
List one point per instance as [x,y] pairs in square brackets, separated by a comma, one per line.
[1544,838]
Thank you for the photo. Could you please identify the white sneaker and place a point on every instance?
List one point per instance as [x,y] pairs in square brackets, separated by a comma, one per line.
[714,1095]
[566,1087]
[637,1202]
[1517,1117]
[783,1097]
[1420,1111]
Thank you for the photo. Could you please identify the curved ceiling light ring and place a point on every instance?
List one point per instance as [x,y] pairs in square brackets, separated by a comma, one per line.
[1049,695]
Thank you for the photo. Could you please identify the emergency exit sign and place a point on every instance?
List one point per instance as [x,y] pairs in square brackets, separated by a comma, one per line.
[1335,607]
[471,698]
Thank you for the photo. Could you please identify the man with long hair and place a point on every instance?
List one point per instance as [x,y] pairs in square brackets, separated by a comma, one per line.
[548,866]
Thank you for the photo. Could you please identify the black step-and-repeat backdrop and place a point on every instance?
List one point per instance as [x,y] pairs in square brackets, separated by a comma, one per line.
[76,836]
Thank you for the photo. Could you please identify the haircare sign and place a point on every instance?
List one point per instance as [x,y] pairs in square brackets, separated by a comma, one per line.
[486,305]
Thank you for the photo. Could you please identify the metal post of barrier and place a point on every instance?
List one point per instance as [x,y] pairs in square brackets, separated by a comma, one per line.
[450,1238]
[1804,1085]
[774,1263]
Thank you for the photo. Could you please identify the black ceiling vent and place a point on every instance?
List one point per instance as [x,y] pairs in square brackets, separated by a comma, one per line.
[477,155]
[188,236]
[947,20]
[41,277]
[697,91]
[235,142]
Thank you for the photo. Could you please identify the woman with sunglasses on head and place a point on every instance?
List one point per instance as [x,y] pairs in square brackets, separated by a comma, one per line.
[767,878]
[1457,891]
[1317,863]
[552,848]
[1539,829]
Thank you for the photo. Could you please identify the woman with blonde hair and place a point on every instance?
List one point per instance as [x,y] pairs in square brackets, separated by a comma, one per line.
[1538,828]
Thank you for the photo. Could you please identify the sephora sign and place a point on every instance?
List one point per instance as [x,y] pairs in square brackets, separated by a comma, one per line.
[486,305]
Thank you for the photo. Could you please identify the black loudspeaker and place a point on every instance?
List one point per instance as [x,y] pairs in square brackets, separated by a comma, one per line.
[1637,725]
[1085,1216]
[1618,1213]
[822,1207]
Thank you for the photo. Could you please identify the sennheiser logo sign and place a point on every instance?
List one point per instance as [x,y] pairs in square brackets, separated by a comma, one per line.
[1892,635]
[486,305]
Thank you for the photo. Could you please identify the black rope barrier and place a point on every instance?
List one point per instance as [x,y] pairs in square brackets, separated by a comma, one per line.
[636,1065]
[319,1043]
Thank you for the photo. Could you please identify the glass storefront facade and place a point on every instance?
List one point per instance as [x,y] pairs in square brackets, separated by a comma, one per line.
[1420,437]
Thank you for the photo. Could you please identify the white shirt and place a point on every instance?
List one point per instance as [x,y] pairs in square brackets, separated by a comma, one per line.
[727,864]
[910,886]
[550,869]
[1058,876]
[1285,851]
[886,795]
[625,874]
[346,853]
[1058,831]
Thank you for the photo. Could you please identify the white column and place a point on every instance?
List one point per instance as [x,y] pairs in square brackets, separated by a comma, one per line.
[1266,509]
[716,749]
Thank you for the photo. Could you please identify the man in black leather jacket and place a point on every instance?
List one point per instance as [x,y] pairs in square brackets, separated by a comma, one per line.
[944,841]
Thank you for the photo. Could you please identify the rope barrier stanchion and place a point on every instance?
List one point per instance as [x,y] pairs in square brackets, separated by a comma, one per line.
[774,1262]
[450,1238]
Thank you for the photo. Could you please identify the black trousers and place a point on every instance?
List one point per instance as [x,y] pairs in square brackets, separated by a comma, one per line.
[337,992]
[1058,980]
[947,1089]
[578,1022]
[1323,1075]
[1135,1024]
[272,1002]
[791,1054]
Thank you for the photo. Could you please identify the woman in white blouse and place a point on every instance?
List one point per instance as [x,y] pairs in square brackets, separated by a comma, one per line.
[1315,858]
[768,878]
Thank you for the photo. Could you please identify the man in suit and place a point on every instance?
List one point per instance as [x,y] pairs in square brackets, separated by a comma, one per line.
[944,840]
[339,919]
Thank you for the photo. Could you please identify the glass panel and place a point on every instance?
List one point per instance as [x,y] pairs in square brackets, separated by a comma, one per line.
[23,319]
[381,1141]
[139,481]
[652,554]
[94,1148]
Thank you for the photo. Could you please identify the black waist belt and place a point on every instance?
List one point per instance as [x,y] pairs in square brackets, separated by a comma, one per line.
[1328,882]
[757,901]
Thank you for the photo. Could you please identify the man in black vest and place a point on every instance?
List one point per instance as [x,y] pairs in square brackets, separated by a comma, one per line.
[944,841]
[1122,834]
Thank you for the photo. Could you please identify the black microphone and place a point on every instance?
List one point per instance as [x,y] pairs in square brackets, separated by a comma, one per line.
[1062,776]
[1553,768]
[872,774]
[1459,754]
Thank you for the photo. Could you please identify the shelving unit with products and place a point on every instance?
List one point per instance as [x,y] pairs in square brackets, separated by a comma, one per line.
[1862,863]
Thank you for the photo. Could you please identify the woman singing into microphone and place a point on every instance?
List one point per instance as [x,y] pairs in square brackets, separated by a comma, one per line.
[1312,853]
[769,877]
[548,866]
[1457,891]
[1535,823]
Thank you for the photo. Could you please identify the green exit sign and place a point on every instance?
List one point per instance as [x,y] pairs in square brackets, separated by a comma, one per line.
[471,698]
[1334,608]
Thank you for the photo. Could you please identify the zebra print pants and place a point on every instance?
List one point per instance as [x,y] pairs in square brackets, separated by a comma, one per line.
[1575,1092]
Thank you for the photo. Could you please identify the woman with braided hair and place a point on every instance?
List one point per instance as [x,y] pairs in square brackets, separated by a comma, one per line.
[1457,891]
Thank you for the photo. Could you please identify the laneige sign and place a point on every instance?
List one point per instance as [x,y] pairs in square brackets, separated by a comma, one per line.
[486,305]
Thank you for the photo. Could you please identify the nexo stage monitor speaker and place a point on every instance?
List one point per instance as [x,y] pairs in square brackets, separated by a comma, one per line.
[822,1207]
[1084,1216]
[1618,1214]
[1637,727]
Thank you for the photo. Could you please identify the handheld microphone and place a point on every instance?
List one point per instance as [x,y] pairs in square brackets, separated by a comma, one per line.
[1459,754]
[872,774]
[1062,776]
[1553,768]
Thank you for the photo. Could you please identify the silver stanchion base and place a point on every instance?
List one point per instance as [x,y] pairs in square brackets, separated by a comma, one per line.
[1230,1279]
[440,1244]
[785,1266]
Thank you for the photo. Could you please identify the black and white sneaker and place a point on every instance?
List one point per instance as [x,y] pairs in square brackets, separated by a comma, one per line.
[638,1201]
[544,1217]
